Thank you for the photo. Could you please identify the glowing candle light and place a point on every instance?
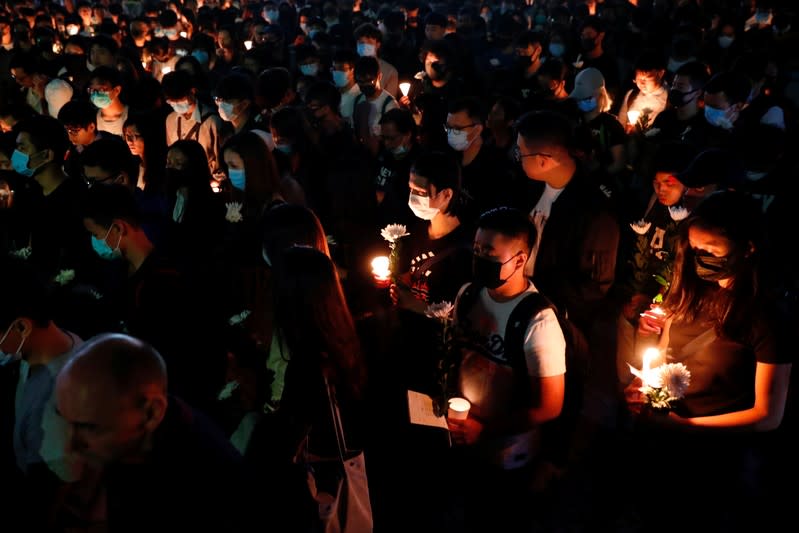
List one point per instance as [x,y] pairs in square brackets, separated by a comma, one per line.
[248,45]
[633,116]
[650,354]
[458,408]
[184,34]
[404,88]
[381,271]
[166,70]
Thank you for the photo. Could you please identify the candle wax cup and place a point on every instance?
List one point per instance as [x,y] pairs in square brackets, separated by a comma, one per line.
[458,408]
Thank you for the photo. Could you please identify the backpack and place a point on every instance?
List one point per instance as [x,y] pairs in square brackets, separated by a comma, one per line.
[556,433]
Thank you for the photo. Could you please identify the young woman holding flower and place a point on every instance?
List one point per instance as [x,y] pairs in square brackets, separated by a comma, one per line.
[722,322]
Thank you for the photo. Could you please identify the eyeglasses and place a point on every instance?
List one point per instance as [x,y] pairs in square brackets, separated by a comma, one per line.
[73,131]
[91,182]
[518,155]
[132,137]
[451,129]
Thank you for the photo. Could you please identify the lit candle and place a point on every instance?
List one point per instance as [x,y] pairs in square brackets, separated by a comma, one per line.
[248,45]
[458,409]
[650,354]
[184,34]
[381,271]
[404,88]
[166,70]
[633,116]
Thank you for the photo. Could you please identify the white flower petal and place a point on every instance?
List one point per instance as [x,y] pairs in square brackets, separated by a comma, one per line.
[233,212]
[641,226]
[678,213]
[394,232]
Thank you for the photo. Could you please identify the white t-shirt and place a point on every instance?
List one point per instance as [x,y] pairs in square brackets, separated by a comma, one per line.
[112,126]
[347,106]
[487,376]
[380,105]
[539,215]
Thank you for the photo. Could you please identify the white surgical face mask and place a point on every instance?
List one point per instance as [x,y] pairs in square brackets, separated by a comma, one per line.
[226,111]
[366,50]
[458,140]
[420,205]
[310,69]
[725,41]
[181,108]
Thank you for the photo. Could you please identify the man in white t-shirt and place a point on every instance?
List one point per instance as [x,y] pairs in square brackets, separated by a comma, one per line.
[371,105]
[502,431]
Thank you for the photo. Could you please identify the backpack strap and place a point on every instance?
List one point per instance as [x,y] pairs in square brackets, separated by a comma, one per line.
[515,330]
[467,299]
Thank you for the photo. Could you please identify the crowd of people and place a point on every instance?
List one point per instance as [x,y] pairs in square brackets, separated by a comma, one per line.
[192,192]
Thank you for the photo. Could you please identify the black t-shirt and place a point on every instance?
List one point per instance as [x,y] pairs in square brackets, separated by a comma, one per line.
[601,134]
[667,127]
[391,178]
[485,183]
[438,267]
[723,369]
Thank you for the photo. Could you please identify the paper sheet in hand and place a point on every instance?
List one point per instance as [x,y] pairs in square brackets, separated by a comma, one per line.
[420,409]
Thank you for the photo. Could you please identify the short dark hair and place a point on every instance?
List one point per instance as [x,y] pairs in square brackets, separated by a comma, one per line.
[472,105]
[367,66]
[107,74]
[325,93]
[46,133]
[25,294]
[235,86]
[78,113]
[549,126]
[345,55]
[115,201]
[177,84]
[697,72]
[434,18]
[735,86]
[110,153]
[369,31]
[510,222]
[30,62]
[104,41]
[527,38]
[402,119]
[442,170]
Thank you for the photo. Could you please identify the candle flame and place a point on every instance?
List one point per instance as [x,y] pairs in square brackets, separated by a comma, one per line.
[404,88]
[633,116]
[380,266]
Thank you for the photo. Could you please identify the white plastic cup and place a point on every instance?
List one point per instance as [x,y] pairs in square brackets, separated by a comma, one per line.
[458,409]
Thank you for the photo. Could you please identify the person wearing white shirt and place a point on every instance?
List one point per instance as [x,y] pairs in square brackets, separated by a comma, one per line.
[105,88]
[644,102]
[371,104]
[369,40]
[344,79]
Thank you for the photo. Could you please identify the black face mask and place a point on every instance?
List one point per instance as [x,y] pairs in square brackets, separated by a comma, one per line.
[679,98]
[523,62]
[439,68]
[368,90]
[711,268]
[487,272]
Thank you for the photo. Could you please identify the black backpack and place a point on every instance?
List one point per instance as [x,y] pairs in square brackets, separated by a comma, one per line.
[556,433]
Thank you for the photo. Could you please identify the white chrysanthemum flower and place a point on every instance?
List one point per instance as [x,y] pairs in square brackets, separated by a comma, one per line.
[95,294]
[64,277]
[393,232]
[641,226]
[675,378]
[440,310]
[233,212]
[22,253]
[228,389]
[678,213]
[331,241]
[239,318]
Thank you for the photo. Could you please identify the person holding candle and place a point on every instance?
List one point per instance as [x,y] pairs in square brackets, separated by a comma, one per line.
[723,323]
[434,261]
[642,104]
[514,390]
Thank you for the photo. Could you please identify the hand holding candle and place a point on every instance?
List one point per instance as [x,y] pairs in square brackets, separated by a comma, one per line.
[633,116]
[381,271]
[652,321]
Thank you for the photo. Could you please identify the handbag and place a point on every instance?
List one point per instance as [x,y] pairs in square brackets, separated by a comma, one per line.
[339,485]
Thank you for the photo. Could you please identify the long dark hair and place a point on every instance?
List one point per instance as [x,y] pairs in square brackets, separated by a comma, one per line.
[313,319]
[736,217]
[262,177]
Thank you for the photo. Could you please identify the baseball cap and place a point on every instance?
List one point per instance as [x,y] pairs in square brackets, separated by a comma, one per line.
[586,83]
[713,166]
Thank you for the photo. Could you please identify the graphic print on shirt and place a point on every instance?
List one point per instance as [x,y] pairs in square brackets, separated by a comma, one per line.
[420,286]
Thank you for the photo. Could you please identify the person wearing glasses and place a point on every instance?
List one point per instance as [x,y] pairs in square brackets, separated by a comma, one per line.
[79,117]
[105,90]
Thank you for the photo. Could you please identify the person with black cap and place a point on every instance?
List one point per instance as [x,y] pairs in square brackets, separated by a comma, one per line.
[711,170]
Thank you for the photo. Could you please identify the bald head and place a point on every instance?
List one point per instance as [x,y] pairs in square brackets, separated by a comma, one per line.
[130,365]
[112,393]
